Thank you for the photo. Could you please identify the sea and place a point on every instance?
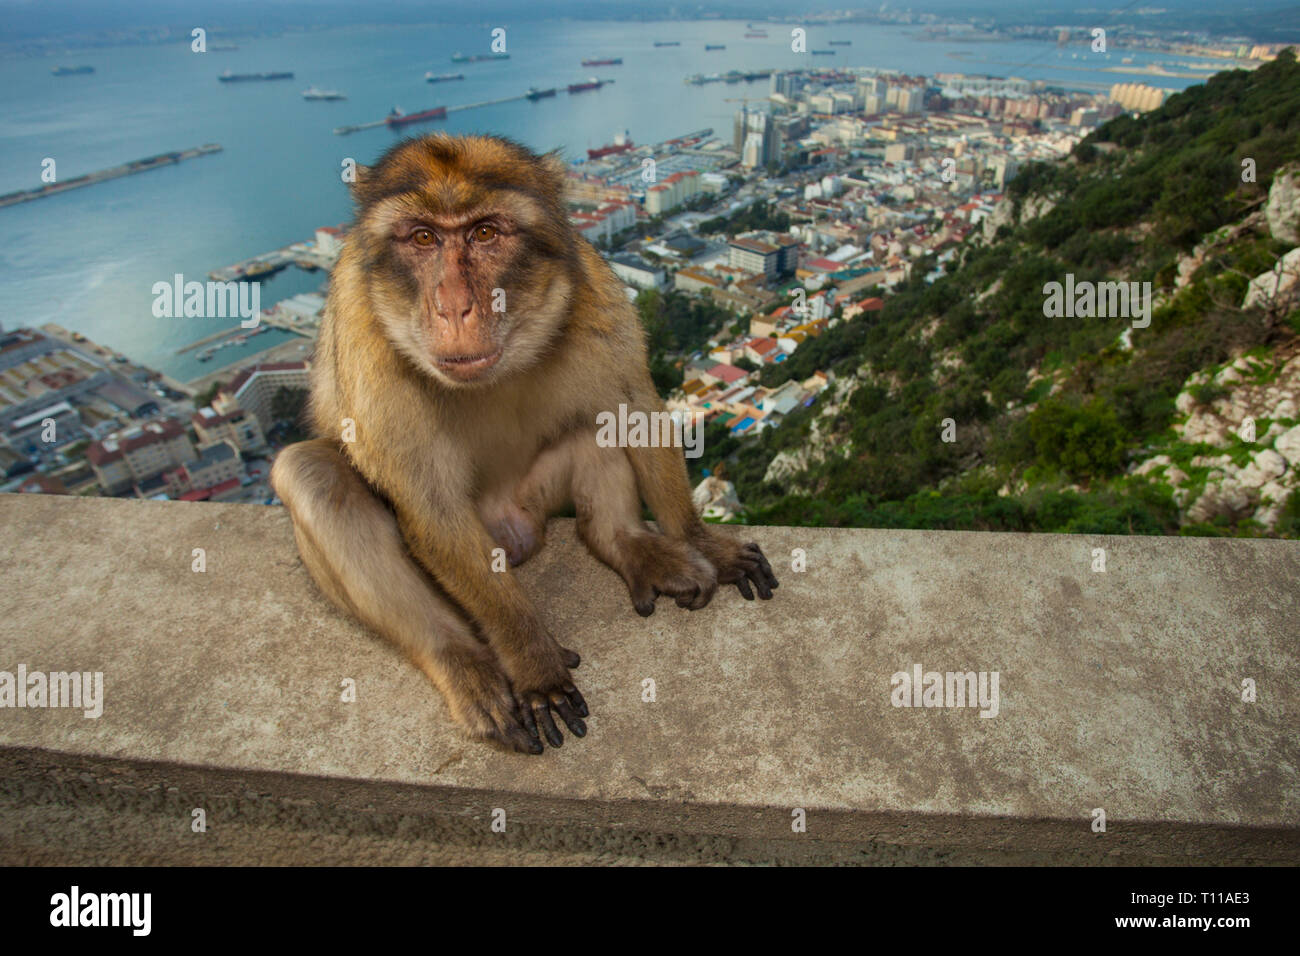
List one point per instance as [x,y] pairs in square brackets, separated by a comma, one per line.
[88,259]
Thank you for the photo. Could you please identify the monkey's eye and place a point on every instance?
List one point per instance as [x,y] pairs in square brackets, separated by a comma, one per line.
[483,233]
[423,237]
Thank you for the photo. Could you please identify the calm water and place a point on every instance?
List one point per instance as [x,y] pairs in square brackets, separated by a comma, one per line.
[88,259]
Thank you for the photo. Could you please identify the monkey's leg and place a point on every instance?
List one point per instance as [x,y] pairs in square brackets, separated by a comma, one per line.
[350,542]
[602,487]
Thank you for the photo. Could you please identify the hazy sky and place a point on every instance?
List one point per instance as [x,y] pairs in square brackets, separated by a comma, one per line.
[23,19]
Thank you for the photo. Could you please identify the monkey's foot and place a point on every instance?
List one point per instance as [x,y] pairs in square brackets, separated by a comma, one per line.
[654,564]
[480,699]
[738,564]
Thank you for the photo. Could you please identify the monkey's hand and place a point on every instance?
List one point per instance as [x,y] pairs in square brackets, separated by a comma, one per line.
[653,564]
[540,676]
[738,564]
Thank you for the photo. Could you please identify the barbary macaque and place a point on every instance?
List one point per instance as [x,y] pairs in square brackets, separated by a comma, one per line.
[470,340]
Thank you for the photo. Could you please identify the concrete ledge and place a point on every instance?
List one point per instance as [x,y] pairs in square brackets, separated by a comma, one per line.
[1119,690]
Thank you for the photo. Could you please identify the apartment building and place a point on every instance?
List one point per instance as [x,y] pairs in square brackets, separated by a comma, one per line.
[138,454]
[254,388]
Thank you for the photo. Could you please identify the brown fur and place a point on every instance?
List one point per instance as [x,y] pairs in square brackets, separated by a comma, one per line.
[399,526]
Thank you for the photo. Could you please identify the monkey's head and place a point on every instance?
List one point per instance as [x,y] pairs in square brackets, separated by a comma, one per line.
[468,254]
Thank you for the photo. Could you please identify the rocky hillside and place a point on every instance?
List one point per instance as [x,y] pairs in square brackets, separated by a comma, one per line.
[971,402]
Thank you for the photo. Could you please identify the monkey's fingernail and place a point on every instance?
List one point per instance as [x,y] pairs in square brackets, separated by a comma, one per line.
[575,698]
[547,723]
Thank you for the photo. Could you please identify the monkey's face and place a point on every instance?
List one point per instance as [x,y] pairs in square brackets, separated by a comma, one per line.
[469,254]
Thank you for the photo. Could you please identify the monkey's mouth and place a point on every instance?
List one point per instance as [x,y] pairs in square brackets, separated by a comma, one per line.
[464,368]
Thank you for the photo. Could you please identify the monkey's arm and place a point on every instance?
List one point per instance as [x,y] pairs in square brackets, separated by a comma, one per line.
[664,486]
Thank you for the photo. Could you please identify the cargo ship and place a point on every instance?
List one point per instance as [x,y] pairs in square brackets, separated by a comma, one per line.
[228,77]
[839,43]
[72,70]
[478,57]
[715,46]
[612,61]
[312,93]
[432,77]
[535,94]
[590,84]
[668,42]
[397,118]
[822,52]
[621,144]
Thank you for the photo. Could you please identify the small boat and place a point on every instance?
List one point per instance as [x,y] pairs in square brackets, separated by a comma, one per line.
[432,77]
[228,77]
[715,46]
[535,94]
[312,93]
[478,57]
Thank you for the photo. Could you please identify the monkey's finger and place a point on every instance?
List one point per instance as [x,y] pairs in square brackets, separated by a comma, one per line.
[542,711]
[571,658]
[576,698]
[764,565]
[743,584]
[517,739]
[567,714]
[515,731]
[643,599]
[755,574]
[530,725]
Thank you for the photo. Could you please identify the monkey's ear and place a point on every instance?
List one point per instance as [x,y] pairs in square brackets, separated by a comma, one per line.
[556,171]
[361,177]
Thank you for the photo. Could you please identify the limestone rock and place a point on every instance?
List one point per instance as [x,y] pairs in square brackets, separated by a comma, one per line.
[1273,498]
[1222,498]
[1283,208]
[716,498]
[1262,469]
[1288,446]
[786,464]
[1276,289]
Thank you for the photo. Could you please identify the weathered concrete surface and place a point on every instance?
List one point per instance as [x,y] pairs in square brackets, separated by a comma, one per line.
[1119,690]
